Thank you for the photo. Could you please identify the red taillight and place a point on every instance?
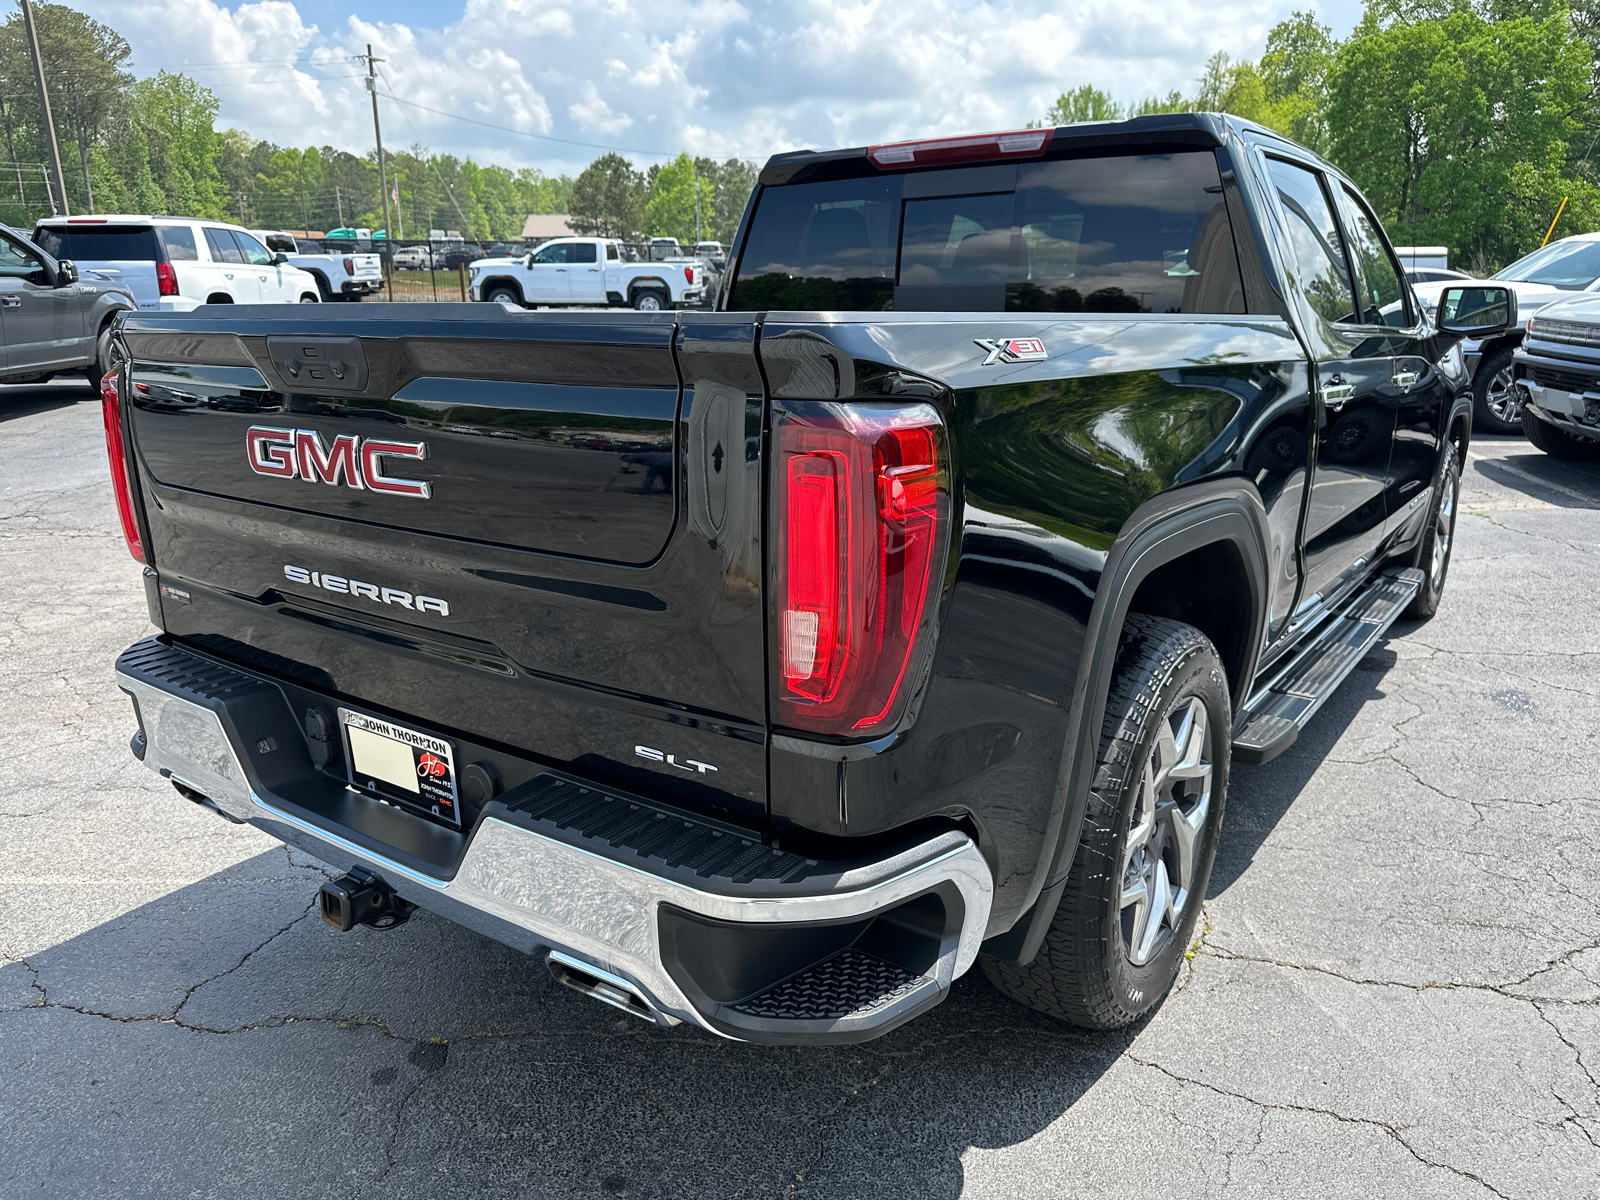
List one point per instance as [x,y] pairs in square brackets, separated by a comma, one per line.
[166,279]
[349,266]
[863,508]
[961,149]
[111,410]
[688,273]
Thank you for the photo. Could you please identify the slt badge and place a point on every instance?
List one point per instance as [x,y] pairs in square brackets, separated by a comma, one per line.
[1012,350]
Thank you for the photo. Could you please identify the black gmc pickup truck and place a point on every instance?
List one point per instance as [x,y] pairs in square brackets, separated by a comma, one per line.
[767,668]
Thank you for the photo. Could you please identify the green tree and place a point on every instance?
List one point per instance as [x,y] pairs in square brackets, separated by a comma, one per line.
[1458,128]
[176,116]
[1295,69]
[608,198]
[1085,103]
[84,68]
[670,209]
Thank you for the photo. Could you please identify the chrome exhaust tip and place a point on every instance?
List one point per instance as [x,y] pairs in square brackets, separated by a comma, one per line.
[604,987]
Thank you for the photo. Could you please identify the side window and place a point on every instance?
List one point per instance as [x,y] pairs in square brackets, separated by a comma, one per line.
[611,252]
[17,263]
[179,241]
[223,247]
[1324,277]
[583,252]
[553,253]
[254,252]
[1383,296]
[283,242]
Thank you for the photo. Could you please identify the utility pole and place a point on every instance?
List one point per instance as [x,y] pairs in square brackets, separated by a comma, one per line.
[338,201]
[383,172]
[697,236]
[44,104]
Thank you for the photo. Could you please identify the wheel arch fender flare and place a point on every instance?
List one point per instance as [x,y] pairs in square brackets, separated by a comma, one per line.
[1160,531]
[498,280]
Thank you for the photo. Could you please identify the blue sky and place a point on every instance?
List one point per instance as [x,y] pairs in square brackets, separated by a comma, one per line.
[714,77]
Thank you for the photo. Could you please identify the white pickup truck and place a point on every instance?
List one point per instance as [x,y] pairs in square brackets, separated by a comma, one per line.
[339,276]
[590,272]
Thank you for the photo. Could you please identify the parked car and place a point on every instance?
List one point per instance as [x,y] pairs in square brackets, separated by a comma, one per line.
[174,264]
[54,317]
[455,255]
[904,615]
[1548,274]
[661,248]
[1557,376]
[1435,275]
[412,258]
[338,276]
[587,271]
[712,252]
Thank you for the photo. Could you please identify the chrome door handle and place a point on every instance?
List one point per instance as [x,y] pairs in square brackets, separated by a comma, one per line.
[227,274]
[1405,378]
[1334,395]
[10,301]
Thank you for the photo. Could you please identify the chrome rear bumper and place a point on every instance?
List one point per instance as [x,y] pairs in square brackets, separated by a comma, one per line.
[524,881]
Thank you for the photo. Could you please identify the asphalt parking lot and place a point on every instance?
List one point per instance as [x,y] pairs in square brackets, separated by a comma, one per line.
[1397,992]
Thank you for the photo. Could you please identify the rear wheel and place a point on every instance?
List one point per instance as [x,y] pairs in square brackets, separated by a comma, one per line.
[1149,836]
[504,295]
[1558,443]
[649,301]
[107,357]
[1434,555]
[308,298]
[1496,407]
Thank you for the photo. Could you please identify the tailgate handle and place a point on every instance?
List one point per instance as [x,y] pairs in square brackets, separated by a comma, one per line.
[319,364]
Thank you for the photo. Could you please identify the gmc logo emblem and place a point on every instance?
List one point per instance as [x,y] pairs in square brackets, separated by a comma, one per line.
[351,460]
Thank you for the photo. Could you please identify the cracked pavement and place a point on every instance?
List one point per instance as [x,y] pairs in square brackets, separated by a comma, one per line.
[1397,992]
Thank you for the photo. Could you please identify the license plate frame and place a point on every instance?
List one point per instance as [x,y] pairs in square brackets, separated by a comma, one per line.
[401,765]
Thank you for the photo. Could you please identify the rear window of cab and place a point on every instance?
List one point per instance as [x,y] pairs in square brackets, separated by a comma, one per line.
[1144,233]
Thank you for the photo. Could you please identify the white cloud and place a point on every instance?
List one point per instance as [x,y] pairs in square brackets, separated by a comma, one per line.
[712,76]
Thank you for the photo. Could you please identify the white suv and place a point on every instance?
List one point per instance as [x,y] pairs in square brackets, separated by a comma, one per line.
[177,263]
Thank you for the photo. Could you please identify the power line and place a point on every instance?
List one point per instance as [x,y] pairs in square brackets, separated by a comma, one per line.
[543,137]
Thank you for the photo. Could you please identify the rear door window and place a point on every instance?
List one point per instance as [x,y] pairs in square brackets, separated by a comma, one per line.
[99,243]
[1131,233]
[583,252]
[223,248]
[178,240]
[1318,248]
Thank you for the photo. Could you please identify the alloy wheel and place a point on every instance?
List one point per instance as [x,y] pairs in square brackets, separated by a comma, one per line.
[1501,399]
[1444,527]
[1162,853]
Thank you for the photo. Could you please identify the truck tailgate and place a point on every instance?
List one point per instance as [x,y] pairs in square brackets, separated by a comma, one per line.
[486,522]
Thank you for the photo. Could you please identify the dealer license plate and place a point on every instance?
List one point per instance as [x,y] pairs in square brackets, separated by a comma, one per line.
[401,765]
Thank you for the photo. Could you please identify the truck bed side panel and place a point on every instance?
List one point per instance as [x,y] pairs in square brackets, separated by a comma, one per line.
[1051,459]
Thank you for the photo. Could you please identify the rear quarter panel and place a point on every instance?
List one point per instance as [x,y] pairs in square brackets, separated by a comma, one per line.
[1050,460]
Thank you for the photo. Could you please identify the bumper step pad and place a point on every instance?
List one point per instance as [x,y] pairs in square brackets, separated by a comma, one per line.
[848,984]
[1275,716]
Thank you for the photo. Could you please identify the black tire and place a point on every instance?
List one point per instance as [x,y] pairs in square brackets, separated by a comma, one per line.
[649,300]
[1496,407]
[1433,556]
[503,294]
[1558,443]
[1084,972]
[323,290]
[107,357]
[308,298]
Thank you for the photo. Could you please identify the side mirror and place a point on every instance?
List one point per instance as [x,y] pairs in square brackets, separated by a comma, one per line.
[1476,310]
[530,258]
[68,271]
[280,259]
